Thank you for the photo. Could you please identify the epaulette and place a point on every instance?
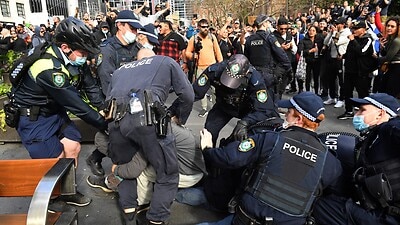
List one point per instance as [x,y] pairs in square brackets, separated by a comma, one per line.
[105,43]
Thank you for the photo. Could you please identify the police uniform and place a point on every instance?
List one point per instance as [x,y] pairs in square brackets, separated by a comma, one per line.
[43,98]
[287,170]
[376,177]
[113,55]
[264,52]
[157,74]
[249,101]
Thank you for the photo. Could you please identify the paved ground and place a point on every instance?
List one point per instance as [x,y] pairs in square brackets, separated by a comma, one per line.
[104,210]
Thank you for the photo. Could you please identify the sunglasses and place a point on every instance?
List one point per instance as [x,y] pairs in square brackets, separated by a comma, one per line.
[204,27]
[282,28]
[98,18]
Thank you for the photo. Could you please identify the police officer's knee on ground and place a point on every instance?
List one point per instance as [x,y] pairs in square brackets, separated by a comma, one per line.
[293,158]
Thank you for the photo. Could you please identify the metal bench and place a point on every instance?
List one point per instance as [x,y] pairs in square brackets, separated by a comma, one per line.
[40,179]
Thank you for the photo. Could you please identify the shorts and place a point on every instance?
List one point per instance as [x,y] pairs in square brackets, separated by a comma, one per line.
[42,137]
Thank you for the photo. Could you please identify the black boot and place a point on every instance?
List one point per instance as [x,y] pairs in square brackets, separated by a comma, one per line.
[94,162]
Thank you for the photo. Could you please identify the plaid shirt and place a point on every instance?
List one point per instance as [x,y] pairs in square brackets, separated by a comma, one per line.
[171,45]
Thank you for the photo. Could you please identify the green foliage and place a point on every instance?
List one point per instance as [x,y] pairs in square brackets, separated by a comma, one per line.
[4,88]
[2,120]
[7,60]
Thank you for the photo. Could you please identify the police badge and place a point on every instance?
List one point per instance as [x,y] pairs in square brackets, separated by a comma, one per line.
[246,145]
[262,96]
[58,79]
[202,80]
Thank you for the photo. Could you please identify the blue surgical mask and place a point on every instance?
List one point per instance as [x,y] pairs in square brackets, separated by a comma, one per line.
[359,124]
[129,37]
[79,61]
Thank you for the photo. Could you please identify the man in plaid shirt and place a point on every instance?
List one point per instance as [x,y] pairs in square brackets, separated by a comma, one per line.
[171,44]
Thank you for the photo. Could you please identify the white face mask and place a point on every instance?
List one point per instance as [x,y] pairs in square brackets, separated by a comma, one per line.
[104,31]
[129,37]
[287,124]
[148,46]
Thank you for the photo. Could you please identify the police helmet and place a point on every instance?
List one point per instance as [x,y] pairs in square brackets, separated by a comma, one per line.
[76,34]
[236,70]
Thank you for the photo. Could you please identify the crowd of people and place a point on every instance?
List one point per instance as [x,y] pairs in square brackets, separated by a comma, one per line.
[270,170]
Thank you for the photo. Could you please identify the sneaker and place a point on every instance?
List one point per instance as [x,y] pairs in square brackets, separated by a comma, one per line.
[77,199]
[143,208]
[98,182]
[203,113]
[56,205]
[95,167]
[339,104]
[112,182]
[346,115]
[330,101]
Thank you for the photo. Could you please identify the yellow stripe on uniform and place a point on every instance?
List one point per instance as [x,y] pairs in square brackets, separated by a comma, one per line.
[43,65]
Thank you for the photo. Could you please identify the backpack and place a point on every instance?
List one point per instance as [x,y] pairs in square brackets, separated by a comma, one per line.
[21,66]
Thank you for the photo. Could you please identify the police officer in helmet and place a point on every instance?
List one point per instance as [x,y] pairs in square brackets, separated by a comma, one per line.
[375,198]
[287,168]
[46,94]
[240,93]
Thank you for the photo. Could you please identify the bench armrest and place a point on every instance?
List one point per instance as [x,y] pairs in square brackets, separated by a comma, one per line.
[64,172]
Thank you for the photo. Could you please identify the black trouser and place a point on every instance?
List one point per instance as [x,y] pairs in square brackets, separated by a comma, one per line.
[362,84]
[159,152]
[333,74]
[313,69]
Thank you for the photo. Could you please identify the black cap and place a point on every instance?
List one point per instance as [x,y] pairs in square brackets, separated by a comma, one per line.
[282,21]
[357,24]
[235,71]
[104,24]
[340,20]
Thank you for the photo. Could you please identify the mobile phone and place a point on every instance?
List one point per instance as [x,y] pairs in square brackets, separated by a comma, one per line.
[287,41]
[379,35]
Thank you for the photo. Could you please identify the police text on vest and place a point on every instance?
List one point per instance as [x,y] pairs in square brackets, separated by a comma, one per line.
[300,152]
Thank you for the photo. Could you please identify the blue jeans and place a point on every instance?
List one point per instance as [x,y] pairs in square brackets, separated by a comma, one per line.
[226,221]
[191,196]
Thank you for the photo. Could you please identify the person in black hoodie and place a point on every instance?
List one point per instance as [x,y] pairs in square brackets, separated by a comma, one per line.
[358,65]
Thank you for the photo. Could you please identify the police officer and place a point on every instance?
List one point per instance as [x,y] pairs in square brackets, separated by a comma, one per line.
[44,96]
[115,51]
[287,168]
[129,132]
[240,93]
[264,52]
[375,180]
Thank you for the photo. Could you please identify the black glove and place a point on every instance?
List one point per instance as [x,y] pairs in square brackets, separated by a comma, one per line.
[240,131]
